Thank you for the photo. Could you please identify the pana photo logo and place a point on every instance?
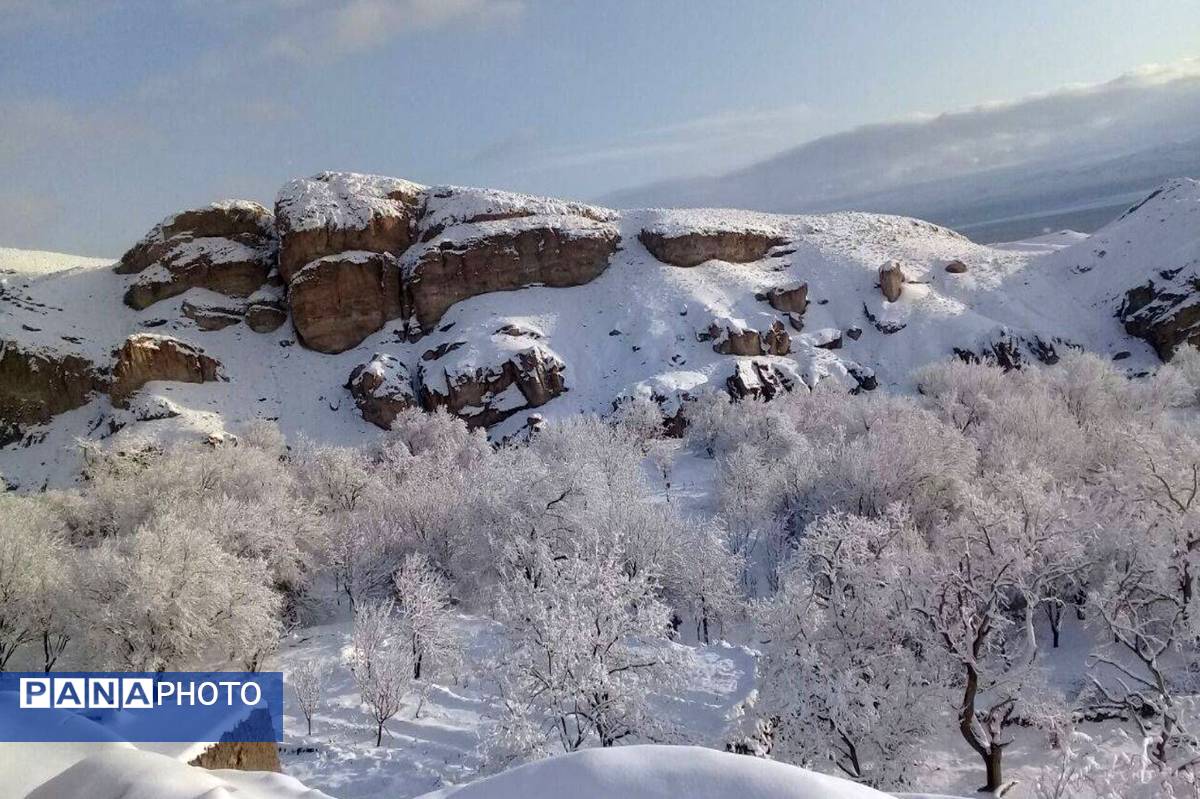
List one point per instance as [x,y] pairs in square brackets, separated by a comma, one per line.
[167,706]
[78,693]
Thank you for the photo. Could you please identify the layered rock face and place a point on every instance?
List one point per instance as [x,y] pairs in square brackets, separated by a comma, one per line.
[501,255]
[336,212]
[146,356]
[339,300]
[228,247]
[36,385]
[382,388]
[692,248]
[485,385]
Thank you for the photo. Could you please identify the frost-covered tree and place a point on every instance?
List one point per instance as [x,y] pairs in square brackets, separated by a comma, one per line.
[425,618]
[34,582]
[584,647]
[381,665]
[308,683]
[841,681]
[167,594]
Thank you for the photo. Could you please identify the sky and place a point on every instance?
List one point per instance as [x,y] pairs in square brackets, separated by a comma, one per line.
[114,113]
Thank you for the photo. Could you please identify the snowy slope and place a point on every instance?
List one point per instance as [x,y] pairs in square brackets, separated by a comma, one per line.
[636,329]
[658,772]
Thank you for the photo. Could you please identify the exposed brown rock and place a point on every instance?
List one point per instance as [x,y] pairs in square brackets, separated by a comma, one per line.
[891,280]
[147,356]
[266,315]
[232,219]
[956,267]
[505,255]
[236,751]
[37,384]
[730,338]
[483,396]
[339,212]
[789,299]
[228,247]
[759,380]
[211,317]
[1165,312]
[339,300]
[695,248]
[382,389]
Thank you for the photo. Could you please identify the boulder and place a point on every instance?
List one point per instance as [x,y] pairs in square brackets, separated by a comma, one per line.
[487,385]
[501,255]
[382,388]
[209,316]
[956,267]
[336,212]
[265,315]
[760,379]
[339,300]
[692,248]
[731,337]
[791,299]
[228,247]
[891,280]
[148,356]
[1164,311]
[37,384]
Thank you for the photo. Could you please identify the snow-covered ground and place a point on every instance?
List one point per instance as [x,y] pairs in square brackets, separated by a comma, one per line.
[632,330]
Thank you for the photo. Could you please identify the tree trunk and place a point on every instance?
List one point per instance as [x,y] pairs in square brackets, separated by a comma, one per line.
[995,775]
[379,734]
[309,720]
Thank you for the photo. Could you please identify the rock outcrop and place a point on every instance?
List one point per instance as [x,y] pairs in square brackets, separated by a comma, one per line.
[37,384]
[147,356]
[501,255]
[956,267]
[1165,312]
[339,300]
[1012,350]
[891,280]
[791,299]
[761,379]
[382,388]
[228,247]
[336,212]
[212,316]
[731,337]
[692,248]
[489,385]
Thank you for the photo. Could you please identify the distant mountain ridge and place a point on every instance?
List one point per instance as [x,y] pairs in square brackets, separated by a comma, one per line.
[1090,148]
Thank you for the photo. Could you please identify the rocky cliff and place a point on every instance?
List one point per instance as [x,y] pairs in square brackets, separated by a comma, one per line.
[359,296]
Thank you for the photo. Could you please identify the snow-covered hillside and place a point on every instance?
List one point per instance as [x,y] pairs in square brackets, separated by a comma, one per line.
[658,772]
[633,325]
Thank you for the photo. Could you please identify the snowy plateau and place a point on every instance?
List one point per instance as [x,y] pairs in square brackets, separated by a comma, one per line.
[244,363]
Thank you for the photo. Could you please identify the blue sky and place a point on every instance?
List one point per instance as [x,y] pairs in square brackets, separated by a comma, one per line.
[114,113]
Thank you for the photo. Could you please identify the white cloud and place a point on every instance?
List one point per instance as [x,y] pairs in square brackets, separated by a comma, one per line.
[329,29]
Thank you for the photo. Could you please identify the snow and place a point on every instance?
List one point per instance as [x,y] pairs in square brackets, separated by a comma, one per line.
[632,330]
[658,772]
[40,262]
[340,199]
[137,774]
[452,205]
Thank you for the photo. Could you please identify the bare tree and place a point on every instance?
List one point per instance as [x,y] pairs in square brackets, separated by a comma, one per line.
[308,681]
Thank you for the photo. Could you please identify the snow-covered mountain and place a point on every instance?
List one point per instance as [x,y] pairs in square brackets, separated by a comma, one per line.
[1072,156]
[362,295]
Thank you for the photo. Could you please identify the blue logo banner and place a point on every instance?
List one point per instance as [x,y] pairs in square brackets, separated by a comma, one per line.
[173,706]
